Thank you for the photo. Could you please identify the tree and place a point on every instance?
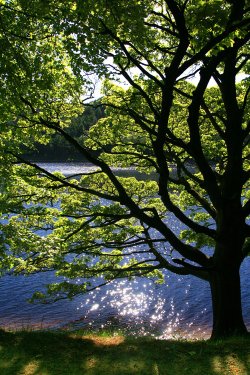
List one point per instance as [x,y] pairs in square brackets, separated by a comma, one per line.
[192,138]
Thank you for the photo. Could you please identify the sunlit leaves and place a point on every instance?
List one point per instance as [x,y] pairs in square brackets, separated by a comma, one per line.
[36,75]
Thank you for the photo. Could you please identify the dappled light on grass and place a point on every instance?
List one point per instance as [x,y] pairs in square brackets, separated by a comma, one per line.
[31,369]
[48,353]
[229,365]
[155,369]
[118,366]
[100,341]
[91,363]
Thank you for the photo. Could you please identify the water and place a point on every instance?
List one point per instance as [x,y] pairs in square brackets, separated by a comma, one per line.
[180,307]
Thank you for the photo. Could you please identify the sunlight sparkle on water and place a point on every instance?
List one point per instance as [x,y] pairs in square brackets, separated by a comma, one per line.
[94,307]
[129,303]
[134,306]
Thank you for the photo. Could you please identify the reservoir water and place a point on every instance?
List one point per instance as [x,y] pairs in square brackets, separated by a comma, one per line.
[180,307]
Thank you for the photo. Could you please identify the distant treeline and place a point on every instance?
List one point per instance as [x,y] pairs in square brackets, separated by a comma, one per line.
[58,149]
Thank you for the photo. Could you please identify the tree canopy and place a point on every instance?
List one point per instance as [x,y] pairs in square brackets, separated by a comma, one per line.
[174,110]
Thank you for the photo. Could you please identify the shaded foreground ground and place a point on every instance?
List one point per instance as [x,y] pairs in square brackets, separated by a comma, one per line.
[49,353]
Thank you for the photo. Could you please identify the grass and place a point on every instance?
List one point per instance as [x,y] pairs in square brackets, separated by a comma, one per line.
[58,353]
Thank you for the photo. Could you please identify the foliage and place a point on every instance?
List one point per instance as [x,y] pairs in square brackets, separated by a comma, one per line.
[156,60]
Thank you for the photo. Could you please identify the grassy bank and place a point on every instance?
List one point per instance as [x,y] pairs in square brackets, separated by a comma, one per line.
[48,353]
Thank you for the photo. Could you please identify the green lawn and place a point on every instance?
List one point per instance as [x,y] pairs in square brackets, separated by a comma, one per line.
[49,353]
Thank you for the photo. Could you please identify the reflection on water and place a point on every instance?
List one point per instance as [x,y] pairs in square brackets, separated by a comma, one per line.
[180,307]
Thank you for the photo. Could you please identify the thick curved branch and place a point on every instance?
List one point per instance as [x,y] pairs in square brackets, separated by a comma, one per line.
[194,130]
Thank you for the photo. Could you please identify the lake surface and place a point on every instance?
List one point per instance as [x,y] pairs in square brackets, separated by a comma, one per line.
[180,307]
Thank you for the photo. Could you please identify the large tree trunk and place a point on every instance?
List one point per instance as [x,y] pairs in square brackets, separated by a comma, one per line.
[225,275]
[226,299]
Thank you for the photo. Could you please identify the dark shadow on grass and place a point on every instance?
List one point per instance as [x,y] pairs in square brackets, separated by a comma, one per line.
[49,353]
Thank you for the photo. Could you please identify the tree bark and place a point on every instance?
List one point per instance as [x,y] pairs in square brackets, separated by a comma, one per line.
[226,300]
